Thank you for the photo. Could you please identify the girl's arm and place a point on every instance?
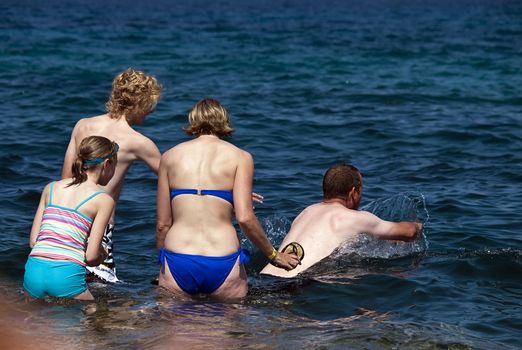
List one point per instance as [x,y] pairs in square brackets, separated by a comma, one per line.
[37,221]
[163,210]
[94,255]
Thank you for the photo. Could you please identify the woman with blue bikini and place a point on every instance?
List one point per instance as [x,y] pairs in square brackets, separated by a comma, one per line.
[69,224]
[201,183]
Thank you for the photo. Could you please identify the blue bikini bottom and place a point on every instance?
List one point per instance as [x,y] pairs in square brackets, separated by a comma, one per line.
[198,273]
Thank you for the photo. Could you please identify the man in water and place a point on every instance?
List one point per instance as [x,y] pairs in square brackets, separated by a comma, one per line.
[322,227]
[134,96]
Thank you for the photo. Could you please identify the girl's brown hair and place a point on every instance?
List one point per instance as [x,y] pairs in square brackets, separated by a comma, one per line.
[92,152]
[209,117]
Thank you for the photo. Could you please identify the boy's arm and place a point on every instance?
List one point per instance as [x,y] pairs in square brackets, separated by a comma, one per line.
[37,221]
[148,152]
[70,154]
[371,224]
[163,210]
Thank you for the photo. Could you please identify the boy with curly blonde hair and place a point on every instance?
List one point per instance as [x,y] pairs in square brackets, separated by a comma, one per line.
[134,96]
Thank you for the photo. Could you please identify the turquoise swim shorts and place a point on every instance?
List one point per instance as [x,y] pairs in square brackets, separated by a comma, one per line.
[54,278]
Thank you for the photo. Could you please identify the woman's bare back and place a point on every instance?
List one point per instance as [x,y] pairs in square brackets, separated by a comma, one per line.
[202,223]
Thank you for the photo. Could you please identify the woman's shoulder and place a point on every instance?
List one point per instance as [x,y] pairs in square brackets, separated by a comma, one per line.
[171,152]
[232,148]
[179,146]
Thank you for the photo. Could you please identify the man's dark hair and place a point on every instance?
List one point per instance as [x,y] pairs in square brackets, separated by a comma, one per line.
[340,179]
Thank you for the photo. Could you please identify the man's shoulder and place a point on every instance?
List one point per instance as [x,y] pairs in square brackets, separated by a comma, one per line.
[311,213]
[324,208]
[312,209]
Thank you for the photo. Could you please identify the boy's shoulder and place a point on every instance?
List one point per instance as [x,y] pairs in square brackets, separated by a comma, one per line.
[94,119]
[87,123]
[106,126]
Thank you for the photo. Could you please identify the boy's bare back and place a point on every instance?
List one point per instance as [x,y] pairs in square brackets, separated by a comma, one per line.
[133,146]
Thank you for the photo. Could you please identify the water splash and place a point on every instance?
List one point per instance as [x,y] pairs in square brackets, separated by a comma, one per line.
[408,206]
[276,228]
[401,207]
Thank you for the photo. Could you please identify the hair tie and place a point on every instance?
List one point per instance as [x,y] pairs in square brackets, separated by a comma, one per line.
[99,160]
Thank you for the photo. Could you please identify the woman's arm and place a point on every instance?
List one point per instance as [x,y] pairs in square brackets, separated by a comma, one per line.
[247,219]
[95,254]
[37,221]
[163,209]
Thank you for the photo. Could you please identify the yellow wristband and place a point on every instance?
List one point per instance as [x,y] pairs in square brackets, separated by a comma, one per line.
[273,255]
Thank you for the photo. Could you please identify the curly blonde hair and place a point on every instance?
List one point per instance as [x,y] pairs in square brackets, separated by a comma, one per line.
[209,117]
[133,93]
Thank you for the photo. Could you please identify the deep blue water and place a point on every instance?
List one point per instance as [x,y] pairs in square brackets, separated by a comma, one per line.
[425,97]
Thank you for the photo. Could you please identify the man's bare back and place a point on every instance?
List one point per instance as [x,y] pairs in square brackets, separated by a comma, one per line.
[323,227]
[316,229]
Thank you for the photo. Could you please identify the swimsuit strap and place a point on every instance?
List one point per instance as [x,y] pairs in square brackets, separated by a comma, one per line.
[223,194]
[51,193]
[88,198]
[174,193]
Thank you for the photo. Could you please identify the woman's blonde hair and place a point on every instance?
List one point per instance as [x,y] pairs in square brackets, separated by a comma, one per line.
[208,117]
[133,93]
[93,151]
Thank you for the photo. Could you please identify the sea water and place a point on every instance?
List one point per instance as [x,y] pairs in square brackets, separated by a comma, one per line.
[424,97]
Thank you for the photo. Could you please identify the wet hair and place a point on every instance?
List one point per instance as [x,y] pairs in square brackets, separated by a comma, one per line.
[208,117]
[92,152]
[339,179]
[133,93]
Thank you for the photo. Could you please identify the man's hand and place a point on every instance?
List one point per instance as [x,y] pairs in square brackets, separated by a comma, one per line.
[286,261]
[418,230]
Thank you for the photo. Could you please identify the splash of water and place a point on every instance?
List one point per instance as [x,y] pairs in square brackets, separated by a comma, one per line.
[276,228]
[400,207]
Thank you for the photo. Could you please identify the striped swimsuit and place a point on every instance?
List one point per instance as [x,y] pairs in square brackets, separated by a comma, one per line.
[60,247]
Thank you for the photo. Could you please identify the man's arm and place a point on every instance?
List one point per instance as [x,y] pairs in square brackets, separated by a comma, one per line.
[70,154]
[371,224]
[148,152]
[163,209]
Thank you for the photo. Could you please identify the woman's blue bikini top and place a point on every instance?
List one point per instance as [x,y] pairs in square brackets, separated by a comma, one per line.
[226,195]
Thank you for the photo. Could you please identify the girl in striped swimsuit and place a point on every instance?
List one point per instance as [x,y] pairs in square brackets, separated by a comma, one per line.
[69,224]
